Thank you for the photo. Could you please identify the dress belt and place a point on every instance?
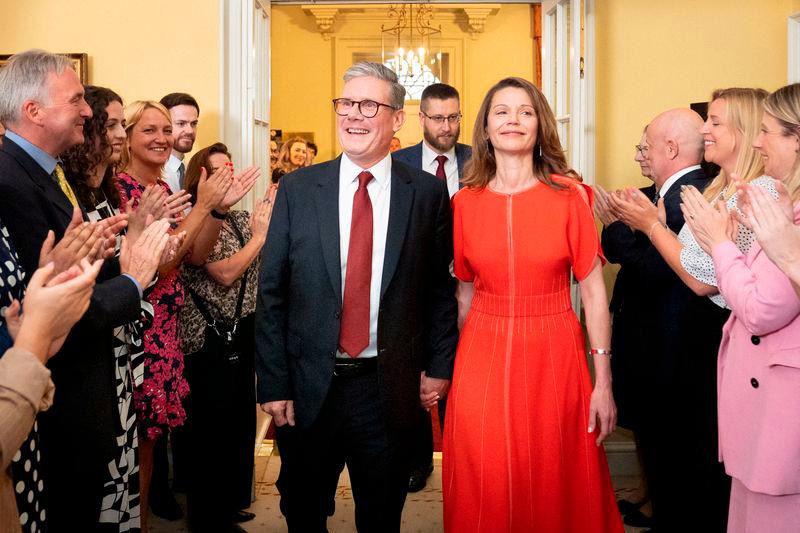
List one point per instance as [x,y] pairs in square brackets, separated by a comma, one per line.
[350,368]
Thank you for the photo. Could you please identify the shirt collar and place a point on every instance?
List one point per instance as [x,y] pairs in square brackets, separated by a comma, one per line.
[42,158]
[381,171]
[429,155]
[173,163]
[662,192]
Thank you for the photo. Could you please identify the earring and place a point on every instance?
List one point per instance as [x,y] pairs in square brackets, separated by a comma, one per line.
[539,150]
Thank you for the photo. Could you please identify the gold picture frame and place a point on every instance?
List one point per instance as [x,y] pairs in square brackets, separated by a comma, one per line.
[80,63]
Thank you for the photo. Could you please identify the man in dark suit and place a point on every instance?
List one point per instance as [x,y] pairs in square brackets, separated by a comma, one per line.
[440,154]
[44,110]
[678,340]
[356,316]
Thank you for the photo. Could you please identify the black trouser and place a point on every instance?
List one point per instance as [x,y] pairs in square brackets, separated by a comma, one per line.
[352,429]
[221,429]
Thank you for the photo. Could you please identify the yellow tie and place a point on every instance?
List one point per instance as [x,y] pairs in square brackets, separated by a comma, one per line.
[64,184]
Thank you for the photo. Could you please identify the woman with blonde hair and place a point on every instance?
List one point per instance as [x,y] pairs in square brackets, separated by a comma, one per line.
[291,157]
[524,423]
[158,400]
[759,357]
[734,117]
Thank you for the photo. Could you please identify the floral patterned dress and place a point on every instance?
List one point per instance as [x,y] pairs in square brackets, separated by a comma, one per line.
[158,401]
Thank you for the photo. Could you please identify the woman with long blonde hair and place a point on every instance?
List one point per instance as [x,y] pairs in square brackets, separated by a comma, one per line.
[759,430]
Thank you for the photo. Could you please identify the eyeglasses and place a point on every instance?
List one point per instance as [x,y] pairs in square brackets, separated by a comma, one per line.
[642,149]
[368,108]
[439,119]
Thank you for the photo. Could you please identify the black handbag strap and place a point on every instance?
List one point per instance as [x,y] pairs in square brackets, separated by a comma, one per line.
[242,287]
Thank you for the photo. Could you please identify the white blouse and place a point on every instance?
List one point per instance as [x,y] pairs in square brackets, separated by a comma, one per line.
[699,264]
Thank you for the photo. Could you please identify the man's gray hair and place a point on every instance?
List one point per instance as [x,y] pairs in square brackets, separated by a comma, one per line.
[376,70]
[24,77]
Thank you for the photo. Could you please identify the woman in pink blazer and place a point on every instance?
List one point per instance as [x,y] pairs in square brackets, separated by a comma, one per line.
[758,379]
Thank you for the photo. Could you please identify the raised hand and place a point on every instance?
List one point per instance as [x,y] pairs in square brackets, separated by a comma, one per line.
[635,209]
[709,225]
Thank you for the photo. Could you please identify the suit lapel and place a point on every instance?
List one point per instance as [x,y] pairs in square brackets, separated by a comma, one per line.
[327,201]
[400,202]
[39,177]
[417,156]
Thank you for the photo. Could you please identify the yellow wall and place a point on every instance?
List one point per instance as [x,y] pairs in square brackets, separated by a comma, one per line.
[307,69]
[652,56]
[134,47]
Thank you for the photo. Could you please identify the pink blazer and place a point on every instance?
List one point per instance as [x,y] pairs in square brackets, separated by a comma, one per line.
[758,372]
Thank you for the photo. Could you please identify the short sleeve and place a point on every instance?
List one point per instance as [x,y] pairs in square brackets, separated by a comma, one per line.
[582,237]
[461,267]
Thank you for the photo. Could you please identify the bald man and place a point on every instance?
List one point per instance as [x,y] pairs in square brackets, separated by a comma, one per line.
[679,335]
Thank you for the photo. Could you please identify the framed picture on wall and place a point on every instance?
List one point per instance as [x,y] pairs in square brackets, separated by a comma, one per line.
[80,62]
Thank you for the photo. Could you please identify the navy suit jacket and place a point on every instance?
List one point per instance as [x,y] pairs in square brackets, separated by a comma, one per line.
[412,156]
[300,294]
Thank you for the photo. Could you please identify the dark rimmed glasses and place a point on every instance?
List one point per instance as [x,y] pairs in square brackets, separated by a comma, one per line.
[455,118]
[368,108]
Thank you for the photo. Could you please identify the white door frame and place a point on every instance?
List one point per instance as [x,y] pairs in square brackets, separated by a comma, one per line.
[793,41]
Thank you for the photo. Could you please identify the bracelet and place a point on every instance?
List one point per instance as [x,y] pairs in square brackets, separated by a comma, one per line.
[652,227]
[600,351]
[219,216]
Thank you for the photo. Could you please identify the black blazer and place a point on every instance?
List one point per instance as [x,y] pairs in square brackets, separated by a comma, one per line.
[300,294]
[78,432]
[412,156]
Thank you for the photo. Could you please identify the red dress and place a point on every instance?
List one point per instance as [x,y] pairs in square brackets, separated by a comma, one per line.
[517,456]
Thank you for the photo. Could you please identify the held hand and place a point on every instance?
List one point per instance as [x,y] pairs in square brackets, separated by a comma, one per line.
[211,191]
[281,411]
[603,410]
[240,186]
[140,259]
[431,390]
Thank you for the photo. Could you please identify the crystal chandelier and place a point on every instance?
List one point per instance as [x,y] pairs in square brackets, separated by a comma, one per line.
[406,45]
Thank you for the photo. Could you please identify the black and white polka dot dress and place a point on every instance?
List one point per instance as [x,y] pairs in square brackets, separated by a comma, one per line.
[25,470]
[699,264]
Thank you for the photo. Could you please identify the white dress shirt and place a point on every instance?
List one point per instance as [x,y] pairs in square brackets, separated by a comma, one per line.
[662,192]
[379,190]
[170,173]
[430,164]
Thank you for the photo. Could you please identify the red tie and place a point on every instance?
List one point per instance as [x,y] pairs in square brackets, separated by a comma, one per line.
[441,159]
[354,332]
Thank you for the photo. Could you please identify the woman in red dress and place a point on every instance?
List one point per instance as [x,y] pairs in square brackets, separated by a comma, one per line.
[524,423]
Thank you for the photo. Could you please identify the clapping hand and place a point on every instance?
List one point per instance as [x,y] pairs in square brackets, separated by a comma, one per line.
[773,224]
[155,203]
[259,220]
[710,225]
[140,259]
[211,191]
[240,186]
[633,208]
[53,303]
[81,239]
[602,206]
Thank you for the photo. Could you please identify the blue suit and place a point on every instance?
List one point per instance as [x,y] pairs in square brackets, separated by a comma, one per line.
[412,156]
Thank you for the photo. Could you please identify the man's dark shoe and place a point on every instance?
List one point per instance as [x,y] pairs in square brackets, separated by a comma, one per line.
[242,516]
[419,478]
[166,507]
